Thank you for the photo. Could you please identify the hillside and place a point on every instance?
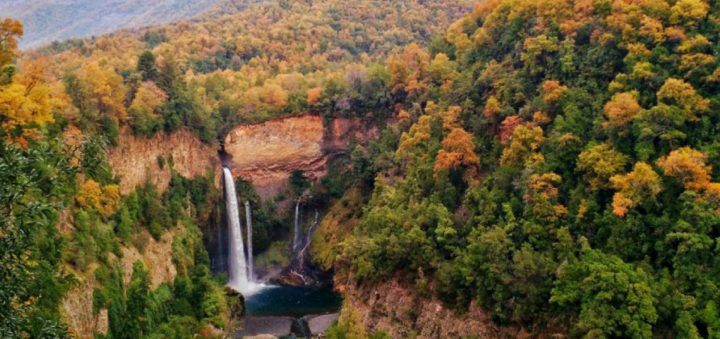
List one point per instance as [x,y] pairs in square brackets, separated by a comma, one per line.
[56,20]
[268,60]
[563,174]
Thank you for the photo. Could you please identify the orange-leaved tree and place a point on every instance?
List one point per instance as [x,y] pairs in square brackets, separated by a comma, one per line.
[641,184]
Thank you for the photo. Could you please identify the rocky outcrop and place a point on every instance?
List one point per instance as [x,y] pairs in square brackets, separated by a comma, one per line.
[138,159]
[267,153]
[77,304]
[265,326]
[399,312]
[319,324]
[156,257]
[134,161]
[78,311]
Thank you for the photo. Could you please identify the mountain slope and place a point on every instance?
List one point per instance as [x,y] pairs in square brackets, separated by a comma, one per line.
[558,166]
[50,20]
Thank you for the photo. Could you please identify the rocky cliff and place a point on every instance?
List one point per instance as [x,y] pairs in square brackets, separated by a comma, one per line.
[134,161]
[267,153]
[400,312]
[137,159]
[77,306]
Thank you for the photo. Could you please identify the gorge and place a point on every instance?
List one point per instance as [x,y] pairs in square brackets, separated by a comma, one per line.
[269,306]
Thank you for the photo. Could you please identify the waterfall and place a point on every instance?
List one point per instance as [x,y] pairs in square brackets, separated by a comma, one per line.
[237,263]
[297,236]
[248,222]
[299,265]
[308,236]
[311,231]
[240,269]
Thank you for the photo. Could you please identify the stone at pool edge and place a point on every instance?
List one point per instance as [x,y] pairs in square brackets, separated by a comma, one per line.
[237,304]
[318,324]
[275,326]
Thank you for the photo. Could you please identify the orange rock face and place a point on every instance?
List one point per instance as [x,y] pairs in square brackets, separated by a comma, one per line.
[135,159]
[267,153]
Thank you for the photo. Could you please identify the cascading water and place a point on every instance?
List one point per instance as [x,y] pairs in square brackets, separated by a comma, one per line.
[308,237]
[248,222]
[311,231]
[297,238]
[237,264]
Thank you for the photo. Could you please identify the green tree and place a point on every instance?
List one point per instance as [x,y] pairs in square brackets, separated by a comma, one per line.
[137,302]
[32,182]
[146,66]
[605,297]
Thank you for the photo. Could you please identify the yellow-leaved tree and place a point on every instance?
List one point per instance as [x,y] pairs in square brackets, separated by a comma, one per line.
[10,31]
[641,184]
[599,163]
[524,143]
[621,110]
[458,148]
[24,97]
[103,199]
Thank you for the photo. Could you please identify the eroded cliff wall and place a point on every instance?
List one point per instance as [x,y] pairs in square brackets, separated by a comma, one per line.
[267,153]
[135,159]
[401,312]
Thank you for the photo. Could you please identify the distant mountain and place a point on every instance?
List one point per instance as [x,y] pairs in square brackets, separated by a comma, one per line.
[50,20]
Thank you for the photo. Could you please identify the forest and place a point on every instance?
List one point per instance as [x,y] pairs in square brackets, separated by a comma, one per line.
[555,162]
[561,167]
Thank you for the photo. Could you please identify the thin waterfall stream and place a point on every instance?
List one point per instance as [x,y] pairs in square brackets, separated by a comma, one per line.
[297,237]
[248,221]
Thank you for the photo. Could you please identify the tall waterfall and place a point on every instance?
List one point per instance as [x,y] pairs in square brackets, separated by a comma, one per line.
[237,263]
[248,222]
[297,237]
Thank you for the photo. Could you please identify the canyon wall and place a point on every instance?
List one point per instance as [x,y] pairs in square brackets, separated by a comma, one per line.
[135,159]
[77,304]
[400,312]
[267,153]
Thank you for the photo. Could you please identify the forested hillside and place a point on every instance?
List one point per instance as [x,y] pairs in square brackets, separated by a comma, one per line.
[269,60]
[557,162]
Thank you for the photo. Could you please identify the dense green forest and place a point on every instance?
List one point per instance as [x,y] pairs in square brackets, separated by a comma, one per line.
[555,161]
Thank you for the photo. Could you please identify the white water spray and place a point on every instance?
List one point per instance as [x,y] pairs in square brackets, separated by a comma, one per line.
[297,237]
[237,264]
[248,222]
[308,237]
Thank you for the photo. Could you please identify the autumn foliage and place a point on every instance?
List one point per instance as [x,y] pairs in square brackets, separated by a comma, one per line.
[103,199]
